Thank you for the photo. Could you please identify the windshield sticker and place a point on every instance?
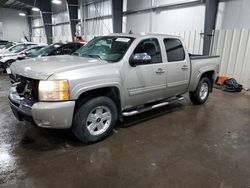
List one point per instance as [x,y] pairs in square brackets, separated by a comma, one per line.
[122,40]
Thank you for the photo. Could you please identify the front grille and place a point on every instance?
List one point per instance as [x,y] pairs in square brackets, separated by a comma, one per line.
[27,88]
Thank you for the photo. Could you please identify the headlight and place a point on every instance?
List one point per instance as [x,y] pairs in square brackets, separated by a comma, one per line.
[57,90]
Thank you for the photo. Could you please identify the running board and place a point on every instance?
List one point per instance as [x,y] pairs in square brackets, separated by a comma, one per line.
[138,111]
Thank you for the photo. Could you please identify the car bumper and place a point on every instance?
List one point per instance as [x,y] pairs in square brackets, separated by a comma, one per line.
[55,115]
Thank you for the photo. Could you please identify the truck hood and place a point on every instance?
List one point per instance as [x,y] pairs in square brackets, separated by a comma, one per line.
[44,67]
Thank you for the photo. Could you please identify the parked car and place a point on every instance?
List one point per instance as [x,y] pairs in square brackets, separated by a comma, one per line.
[3,43]
[7,46]
[45,51]
[11,55]
[56,49]
[112,76]
[28,52]
[16,48]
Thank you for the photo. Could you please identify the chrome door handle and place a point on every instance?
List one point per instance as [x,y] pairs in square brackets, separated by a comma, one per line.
[160,71]
[184,67]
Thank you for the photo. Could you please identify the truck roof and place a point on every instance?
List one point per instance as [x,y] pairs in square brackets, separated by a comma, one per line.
[138,35]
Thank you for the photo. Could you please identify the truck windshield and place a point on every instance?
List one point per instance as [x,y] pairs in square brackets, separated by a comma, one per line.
[108,48]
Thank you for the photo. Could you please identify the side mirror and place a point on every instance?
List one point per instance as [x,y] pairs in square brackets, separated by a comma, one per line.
[140,59]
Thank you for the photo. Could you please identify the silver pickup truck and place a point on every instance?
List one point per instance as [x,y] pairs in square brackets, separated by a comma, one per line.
[111,77]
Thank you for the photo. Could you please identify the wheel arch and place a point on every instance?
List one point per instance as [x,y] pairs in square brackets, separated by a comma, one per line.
[210,74]
[112,92]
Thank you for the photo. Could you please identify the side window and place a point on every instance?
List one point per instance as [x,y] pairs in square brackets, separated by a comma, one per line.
[77,46]
[174,50]
[18,48]
[57,52]
[68,50]
[151,47]
[31,50]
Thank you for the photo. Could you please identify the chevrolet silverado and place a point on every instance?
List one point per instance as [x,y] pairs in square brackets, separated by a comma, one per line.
[110,77]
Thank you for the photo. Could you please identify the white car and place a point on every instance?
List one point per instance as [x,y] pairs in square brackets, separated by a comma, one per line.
[10,55]
[7,47]
[22,55]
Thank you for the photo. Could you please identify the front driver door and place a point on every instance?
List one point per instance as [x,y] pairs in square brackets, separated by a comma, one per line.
[146,83]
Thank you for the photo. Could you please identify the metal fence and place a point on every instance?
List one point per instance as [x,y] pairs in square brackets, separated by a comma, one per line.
[193,40]
[234,48]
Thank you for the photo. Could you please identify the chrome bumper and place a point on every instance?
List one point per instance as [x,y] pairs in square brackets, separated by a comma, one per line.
[55,115]
[20,106]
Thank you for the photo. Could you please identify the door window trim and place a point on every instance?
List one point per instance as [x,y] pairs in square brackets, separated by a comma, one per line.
[185,55]
[159,50]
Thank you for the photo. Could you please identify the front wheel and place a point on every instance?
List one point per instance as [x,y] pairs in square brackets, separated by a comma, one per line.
[200,95]
[95,119]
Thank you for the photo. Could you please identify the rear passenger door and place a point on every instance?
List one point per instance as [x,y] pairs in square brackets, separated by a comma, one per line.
[178,67]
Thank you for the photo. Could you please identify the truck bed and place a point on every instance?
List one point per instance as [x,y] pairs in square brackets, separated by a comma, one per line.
[200,64]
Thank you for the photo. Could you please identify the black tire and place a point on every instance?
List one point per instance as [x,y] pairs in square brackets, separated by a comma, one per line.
[195,96]
[79,127]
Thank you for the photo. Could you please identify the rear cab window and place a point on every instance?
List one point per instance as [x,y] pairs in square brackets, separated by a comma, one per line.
[174,49]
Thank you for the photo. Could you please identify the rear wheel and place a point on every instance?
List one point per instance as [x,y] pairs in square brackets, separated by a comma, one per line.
[95,119]
[200,95]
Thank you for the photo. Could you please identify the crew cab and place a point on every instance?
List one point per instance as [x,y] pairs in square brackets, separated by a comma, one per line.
[110,77]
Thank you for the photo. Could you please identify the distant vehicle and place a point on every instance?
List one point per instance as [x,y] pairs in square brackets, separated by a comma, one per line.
[9,56]
[7,59]
[30,51]
[56,49]
[3,42]
[51,50]
[45,51]
[6,46]
[16,48]
[112,77]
